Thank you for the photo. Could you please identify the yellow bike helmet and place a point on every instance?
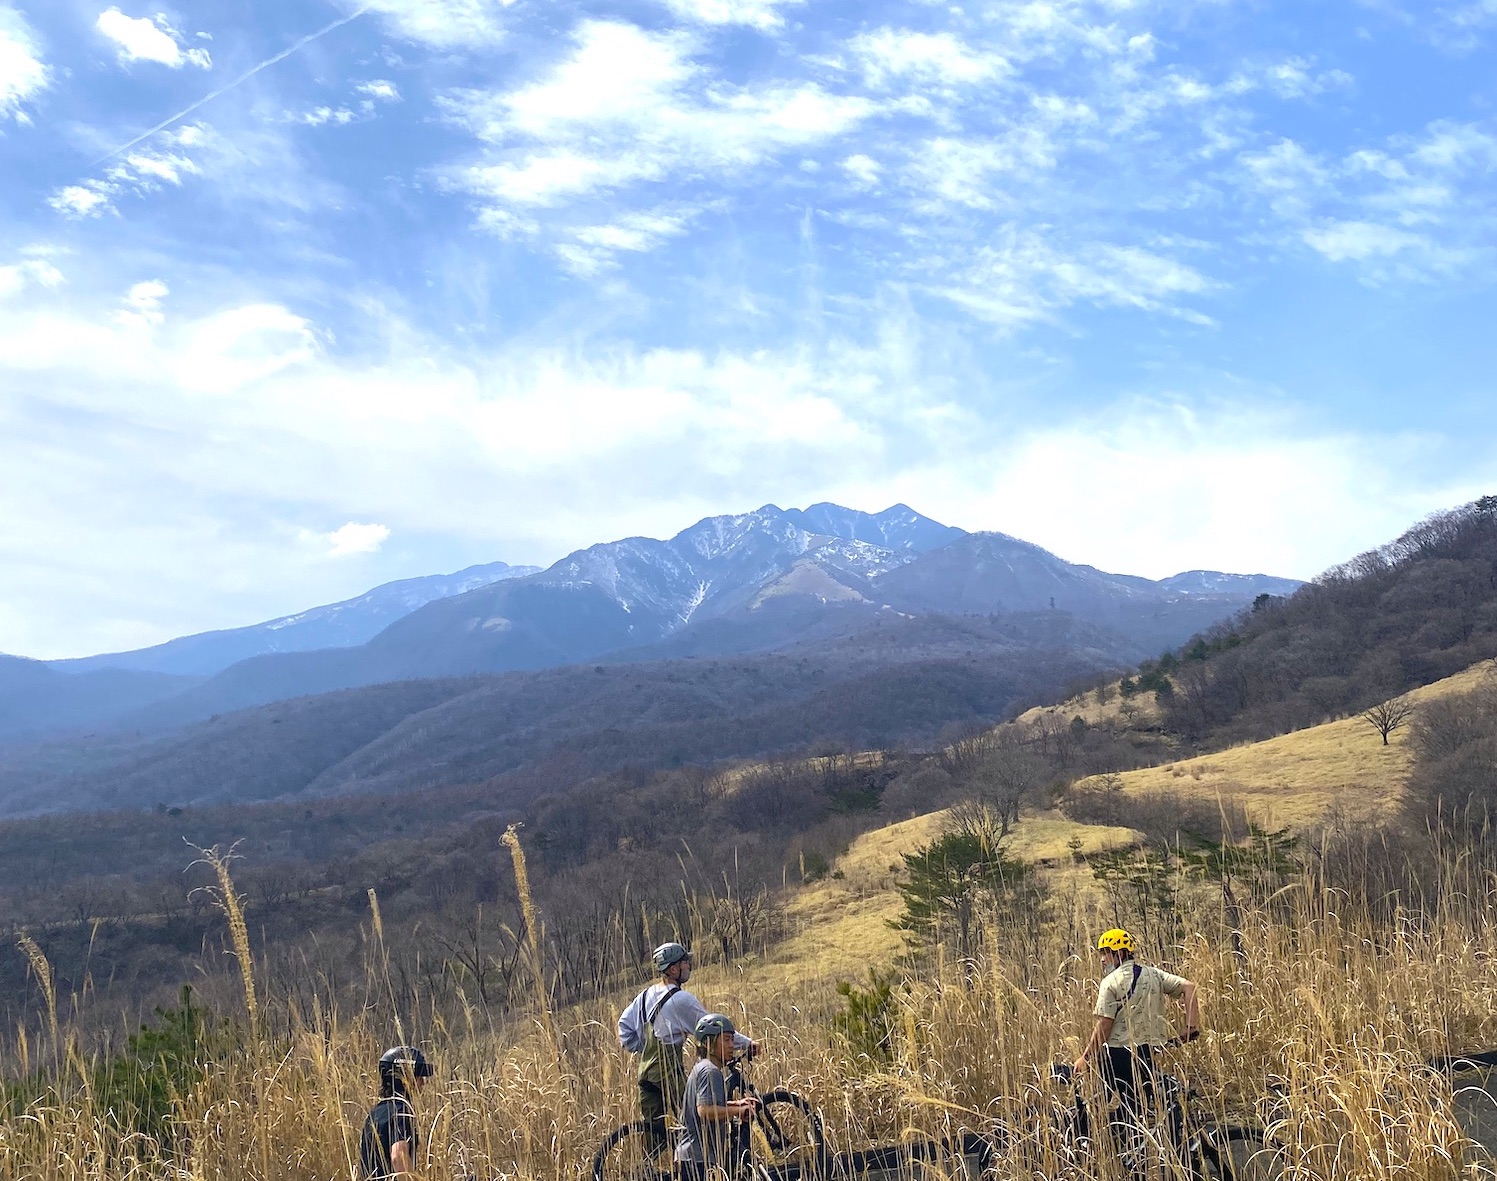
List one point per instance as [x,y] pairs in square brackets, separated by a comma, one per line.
[1116,939]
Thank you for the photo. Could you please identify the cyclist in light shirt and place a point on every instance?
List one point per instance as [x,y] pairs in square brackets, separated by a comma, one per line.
[1132,1024]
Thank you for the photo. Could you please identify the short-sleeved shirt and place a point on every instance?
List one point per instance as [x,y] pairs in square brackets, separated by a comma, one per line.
[1133,996]
[703,1141]
[392,1120]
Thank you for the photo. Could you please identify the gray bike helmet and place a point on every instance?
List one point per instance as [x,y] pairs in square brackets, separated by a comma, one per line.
[712,1025]
[667,954]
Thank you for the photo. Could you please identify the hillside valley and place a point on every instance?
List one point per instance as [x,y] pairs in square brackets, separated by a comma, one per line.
[741,636]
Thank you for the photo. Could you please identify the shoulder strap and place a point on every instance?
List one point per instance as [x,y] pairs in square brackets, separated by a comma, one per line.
[670,992]
[1137,972]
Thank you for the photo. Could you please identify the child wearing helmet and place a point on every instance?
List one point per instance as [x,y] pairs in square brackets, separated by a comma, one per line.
[706,1110]
[1131,1024]
[655,1025]
[387,1146]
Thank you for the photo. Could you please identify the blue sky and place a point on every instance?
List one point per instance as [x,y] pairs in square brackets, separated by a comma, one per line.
[296,298]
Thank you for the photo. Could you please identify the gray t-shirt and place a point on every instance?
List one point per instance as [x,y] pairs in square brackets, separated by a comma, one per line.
[703,1141]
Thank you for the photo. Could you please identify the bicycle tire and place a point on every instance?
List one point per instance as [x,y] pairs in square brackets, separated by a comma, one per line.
[622,1157]
[791,1144]
[1233,1153]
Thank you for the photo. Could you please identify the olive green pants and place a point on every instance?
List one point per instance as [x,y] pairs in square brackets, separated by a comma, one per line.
[660,1099]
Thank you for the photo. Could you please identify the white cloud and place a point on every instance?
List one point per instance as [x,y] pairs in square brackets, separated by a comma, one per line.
[80,201]
[317,116]
[144,39]
[445,24]
[596,440]
[864,170]
[380,90]
[895,54]
[1026,275]
[630,107]
[143,305]
[1267,493]
[1294,78]
[244,346]
[356,538]
[164,160]
[23,73]
[1415,207]
[18,276]
[1357,240]
[763,15]
[596,248]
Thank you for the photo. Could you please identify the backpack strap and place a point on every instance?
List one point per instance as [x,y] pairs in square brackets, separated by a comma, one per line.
[1137,972]
[670,992]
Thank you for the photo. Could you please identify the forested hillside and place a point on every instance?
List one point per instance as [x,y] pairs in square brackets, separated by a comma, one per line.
[1408,613]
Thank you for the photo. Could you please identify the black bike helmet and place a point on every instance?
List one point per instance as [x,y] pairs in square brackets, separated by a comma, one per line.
[667,954]
[401,1062]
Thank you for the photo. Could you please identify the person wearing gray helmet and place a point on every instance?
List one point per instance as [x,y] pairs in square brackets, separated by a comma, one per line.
[655,1025]
[387,1147]
[706,1111]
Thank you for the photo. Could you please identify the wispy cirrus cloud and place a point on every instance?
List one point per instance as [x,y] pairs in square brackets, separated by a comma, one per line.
[629,108]
[1030,274]
[166,161]
[764,15]
[442,24]
[1414,206]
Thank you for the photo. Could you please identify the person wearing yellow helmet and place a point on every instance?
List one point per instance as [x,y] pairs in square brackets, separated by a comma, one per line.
[1131,1023]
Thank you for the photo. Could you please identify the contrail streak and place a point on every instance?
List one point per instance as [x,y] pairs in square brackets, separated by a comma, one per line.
[244,77]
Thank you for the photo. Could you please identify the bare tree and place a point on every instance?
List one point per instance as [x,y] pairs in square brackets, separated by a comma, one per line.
[1389,716]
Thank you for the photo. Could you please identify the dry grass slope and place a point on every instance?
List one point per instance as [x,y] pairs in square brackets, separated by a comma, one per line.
[1297,779]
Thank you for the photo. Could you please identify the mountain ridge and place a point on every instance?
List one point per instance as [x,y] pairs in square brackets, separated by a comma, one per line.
[346,623]
[731,584]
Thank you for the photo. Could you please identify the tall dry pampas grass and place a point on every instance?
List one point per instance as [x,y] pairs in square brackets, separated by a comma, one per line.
[1317,1023]
[226,898]
[42,971]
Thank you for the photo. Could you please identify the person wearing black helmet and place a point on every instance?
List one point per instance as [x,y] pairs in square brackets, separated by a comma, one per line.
[706,1110]
[387,1148]
[655,1025]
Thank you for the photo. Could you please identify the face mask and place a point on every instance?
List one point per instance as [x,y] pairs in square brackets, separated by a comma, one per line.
[685,974]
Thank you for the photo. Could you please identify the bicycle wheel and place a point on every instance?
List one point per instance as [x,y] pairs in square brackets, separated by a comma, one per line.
[1237,1154]
[624,1156]
[788,1144]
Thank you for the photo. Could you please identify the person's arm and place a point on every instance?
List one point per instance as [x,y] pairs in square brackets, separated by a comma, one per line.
[1192,1010]
[630,1033]
[401,1163]
[719,1107]
[1101,1031]
[732,1109]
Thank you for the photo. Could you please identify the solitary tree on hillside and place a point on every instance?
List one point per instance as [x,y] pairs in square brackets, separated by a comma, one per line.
[1389,716]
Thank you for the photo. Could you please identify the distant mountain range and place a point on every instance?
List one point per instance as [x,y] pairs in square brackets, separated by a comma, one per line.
[338,625]
[826,584]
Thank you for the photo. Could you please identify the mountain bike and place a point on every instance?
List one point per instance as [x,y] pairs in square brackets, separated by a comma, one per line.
[782,1142]
[1166,1144]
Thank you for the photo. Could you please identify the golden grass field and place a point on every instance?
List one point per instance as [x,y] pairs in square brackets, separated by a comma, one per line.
[1297,779]
[1303,986]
